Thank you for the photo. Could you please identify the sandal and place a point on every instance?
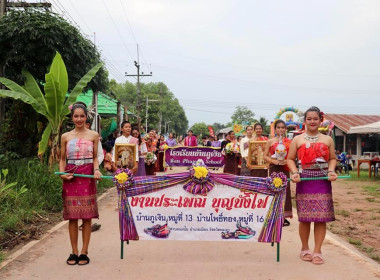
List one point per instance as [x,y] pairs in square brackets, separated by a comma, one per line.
[72,260]
[83,257]
[306,256]
[317,259]
[95,227]
[286,223]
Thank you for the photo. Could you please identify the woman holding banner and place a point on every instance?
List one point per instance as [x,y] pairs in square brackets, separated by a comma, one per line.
[79,148]
[316,156]
[276,151]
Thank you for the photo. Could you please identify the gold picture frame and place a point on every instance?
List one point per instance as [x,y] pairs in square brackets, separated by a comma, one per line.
[256,154]
[125,155]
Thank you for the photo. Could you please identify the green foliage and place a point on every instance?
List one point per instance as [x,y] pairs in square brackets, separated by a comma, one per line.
[200,129]
[167,109]
[53,105]
[243,115]
[29,40]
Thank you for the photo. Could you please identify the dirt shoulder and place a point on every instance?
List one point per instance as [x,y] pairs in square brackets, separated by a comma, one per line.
[357,212]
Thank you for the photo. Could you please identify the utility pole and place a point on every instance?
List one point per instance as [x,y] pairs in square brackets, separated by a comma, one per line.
[4,4]
[146,112]
[137,64]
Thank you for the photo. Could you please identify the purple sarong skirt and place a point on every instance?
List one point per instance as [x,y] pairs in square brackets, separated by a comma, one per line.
[314,198]
[141,170]
[79,194]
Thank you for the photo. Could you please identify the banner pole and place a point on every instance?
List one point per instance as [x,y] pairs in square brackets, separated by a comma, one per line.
[122,250]
[278,251]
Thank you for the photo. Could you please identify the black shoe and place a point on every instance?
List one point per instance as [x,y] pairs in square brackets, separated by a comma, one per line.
[286,223]
[72,260]
[95,227]
[83,257]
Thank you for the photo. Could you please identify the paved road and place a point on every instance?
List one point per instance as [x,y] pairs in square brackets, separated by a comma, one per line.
[146,260]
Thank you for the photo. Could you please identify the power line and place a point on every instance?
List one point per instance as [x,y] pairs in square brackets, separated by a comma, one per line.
[117,30]
[133,34]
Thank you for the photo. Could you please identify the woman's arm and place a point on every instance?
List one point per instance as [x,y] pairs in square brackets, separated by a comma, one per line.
[291,161]
[97,173]
[332,160]
[62,160]
[267,155]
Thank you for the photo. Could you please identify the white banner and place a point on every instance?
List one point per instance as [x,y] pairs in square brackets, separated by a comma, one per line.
[226,213]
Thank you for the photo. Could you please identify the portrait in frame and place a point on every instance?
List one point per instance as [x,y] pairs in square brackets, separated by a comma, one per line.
[125,155]
[256,154]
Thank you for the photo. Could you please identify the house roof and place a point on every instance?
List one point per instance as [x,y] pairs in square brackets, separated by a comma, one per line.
[366,129]
[107,106]
[344,121]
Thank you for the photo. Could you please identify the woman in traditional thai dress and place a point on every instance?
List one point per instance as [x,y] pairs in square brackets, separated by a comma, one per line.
[276,152]
[160,153]
[229,156]
[258,136]
[79,155]
[142,152]
[150,157]
[316,158]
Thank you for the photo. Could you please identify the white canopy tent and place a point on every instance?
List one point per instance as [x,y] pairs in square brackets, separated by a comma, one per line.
[365,129]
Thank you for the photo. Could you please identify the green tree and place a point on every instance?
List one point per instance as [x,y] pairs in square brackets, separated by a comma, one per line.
[29,40]
[53,105]
[200,129]
[265,124]
[242,114]
[166,110]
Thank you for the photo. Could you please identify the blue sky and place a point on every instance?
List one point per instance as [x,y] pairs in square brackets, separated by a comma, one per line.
[215,55]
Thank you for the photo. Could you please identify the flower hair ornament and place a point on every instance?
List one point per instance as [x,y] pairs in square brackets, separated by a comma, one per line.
[322,116]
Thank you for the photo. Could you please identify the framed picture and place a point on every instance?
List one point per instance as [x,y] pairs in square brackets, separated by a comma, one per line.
[256,154]
[125,155]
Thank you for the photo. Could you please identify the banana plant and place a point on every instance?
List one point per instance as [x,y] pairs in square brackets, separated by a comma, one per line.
[53,103]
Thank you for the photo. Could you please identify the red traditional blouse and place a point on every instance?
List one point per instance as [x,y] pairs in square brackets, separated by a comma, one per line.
[316,150]
[261,138]
[285,141]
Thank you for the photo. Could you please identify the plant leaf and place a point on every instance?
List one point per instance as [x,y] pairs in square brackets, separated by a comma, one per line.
[59,72]
[53,100]
[34,90]
[24,97]
[79,88]
[42,145]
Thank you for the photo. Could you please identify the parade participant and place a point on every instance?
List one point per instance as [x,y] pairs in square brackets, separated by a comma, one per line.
[230,163]
[150,157]
[316,156]
[100,148]
[244,145]
[180,141]
[107,158]
[205,141]
[258,129]
[126,138]
[276,151]
[79,148]
[190,139]
[160,154]
[258,136]
[237,155]
[142,152]
[216,143]
[225,141]
[171,142]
